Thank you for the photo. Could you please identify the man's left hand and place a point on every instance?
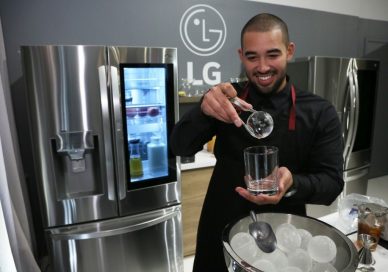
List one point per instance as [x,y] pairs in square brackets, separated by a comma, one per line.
[285,182]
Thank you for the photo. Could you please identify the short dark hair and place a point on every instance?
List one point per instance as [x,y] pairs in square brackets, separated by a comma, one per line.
[264,22]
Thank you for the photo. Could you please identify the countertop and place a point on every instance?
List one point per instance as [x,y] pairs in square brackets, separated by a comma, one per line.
[203,159]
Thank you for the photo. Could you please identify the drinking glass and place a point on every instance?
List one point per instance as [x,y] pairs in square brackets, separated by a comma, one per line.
[261,166]
[371,221]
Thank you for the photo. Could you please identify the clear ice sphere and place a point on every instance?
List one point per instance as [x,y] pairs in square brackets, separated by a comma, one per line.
[278,258]
[322,249]
[264,265]
[290,269]
[301,259]
[245,246]
[287,237]
[305,235]
[323,267]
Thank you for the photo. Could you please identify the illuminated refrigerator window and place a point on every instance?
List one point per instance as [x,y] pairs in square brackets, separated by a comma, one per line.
[148,111]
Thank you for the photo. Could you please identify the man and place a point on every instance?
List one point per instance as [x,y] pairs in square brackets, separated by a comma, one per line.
[306,130]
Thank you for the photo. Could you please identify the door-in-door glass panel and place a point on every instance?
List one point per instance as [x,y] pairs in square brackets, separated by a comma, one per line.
[147,93]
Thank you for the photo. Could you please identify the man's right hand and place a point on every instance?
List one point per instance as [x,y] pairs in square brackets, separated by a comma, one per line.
[215,103]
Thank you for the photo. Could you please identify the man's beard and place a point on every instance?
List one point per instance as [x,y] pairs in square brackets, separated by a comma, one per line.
[274,89]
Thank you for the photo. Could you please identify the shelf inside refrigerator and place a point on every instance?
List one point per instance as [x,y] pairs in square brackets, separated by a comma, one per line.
[144,128]
[150,172]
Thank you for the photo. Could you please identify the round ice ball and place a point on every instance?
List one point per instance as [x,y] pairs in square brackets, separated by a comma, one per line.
[301,259]
[323,267]
[264,265]
[287,237]
[322,249]
[244,245]
[277,257]
[290,269]
[305,235]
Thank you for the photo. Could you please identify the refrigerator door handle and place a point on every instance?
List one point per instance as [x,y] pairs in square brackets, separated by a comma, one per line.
[126,225]
[103,75]
[119,142]
[360,173]
[356,99]
[350,120]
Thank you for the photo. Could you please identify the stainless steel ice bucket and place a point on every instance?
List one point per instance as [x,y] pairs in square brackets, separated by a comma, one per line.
[346,260]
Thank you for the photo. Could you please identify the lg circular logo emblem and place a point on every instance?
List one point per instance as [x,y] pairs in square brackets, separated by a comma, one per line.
[203,30]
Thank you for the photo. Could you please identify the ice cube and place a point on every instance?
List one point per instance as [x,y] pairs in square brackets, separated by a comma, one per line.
[322,249]
[290,269]
[323,267]
[305,236]
[264,265]
[301,259]
[278,258]
[287,237]
[245,246]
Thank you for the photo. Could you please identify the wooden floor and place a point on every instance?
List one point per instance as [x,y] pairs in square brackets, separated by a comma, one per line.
[194,187]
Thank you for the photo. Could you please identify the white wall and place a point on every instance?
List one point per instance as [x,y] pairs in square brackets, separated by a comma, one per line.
[367,9]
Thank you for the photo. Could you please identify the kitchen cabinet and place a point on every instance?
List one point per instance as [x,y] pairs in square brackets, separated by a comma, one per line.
[194,187]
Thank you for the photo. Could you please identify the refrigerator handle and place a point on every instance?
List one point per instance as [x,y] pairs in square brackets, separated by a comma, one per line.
[360,173]
[356,100]
[122,227]
[118,134]
[102,72]
[350,121]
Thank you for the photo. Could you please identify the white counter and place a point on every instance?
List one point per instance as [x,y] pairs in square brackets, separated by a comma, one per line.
[203,159]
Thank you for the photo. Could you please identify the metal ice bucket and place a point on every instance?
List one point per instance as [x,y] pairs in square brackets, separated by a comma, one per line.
[346,260]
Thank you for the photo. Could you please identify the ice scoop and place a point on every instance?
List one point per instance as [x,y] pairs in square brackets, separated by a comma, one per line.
[263,234]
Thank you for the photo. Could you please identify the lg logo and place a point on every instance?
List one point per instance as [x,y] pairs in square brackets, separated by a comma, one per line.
[203,32]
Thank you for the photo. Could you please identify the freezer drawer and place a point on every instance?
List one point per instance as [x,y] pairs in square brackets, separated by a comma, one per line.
[145,242]
[356,181]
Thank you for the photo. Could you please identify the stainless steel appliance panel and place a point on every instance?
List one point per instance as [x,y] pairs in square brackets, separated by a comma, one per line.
[146,242]
[71,132]
[167,193]
[350,85]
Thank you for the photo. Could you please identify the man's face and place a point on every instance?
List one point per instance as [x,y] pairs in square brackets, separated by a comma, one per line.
[264,56]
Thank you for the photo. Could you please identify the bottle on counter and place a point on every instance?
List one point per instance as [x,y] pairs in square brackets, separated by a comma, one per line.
[210,145]
[135,162]
[157,157]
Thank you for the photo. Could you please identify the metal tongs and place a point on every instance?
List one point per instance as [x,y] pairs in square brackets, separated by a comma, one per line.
[259,124]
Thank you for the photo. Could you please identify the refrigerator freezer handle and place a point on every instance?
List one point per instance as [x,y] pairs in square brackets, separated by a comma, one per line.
[118,133]
[122,227]
[356,99]
[349,141]
[102,72]
[360,173]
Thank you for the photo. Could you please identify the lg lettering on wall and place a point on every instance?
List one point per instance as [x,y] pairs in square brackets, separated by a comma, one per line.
[203,32]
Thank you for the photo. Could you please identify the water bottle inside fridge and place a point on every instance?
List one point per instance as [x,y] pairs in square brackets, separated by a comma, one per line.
[157,155]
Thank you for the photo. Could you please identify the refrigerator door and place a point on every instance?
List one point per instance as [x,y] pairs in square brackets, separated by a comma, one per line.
[350,85]
[70,128]
[365,74]
[149,242]
[356,180]
[145,110]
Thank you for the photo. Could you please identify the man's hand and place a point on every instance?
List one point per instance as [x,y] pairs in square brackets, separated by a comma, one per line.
[285,182]
[215,103]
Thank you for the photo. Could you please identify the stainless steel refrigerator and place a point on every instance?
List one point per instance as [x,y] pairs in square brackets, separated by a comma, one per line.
[108,184]
[350,84]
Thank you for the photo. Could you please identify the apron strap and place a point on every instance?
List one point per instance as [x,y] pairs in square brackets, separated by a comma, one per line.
[292,117]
